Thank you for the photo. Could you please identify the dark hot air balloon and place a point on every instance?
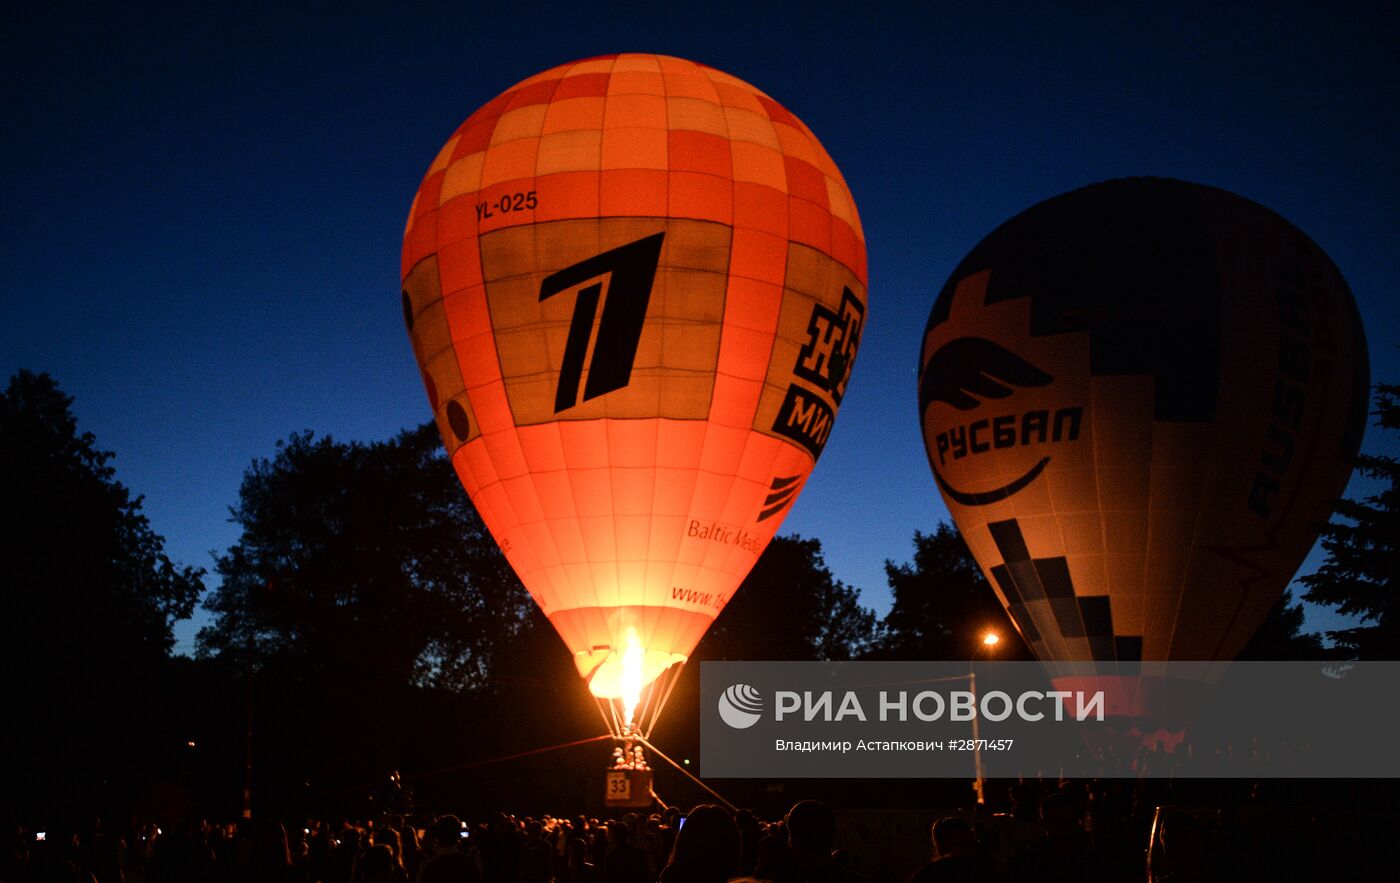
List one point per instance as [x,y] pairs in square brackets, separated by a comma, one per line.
[1139,400]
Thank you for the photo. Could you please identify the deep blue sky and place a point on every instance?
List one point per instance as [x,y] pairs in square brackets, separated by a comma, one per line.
[202,208]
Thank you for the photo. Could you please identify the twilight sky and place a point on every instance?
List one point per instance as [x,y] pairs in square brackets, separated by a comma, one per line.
[202,207]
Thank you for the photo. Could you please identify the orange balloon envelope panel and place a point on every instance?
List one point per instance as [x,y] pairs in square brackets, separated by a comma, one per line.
[635,287]
[1139,400]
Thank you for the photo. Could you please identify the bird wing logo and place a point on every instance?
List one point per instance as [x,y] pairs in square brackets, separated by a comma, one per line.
[963,369]
[964,373]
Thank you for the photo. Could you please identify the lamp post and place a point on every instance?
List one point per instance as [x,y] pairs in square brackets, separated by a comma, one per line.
[987,643]
[248,734]
[248,737]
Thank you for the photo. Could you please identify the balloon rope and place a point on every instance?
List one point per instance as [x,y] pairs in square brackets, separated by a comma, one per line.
[673,676]
[505,757]
[609,715]
[657,798]
[685,772]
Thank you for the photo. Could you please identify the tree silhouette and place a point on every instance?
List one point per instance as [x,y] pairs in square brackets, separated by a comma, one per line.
[1361,576]
[85,577]
[943,604]
[89,596]
[365,561]
[1281,635]
[791,607]
[368,595]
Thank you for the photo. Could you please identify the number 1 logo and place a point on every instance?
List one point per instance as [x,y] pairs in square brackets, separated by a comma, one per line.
[630,271]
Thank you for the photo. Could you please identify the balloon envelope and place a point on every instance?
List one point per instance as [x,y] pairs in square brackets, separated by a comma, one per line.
[635,287]
[1139,400]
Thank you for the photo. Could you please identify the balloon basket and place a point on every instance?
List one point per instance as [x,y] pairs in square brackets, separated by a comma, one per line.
[627,789]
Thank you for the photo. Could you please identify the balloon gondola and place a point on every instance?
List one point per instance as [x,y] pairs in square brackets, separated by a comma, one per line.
[635,287]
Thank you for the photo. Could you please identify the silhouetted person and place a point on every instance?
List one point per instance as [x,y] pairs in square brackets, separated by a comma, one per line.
[178,855]
[774,858]
[1014,833]
[448,863]
[577,867]
[500,850]
[378,864]
[706,850]
[269,855]
[625,862]
[411,851]
[1062,852]
[811,829]
[646,833]
[955,858]
[345,848]
[387,835]
[536,855]
[750,835]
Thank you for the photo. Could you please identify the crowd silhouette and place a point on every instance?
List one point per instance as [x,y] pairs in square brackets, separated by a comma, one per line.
[1084,830]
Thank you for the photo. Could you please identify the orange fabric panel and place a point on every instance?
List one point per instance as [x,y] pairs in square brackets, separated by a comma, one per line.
[697,152]
[566,194]
[633,192]
[759,256]
[736,96]
[744,352]
[847,248]
[760,207]
[736,400]
[634,147]
[704,197]
[458,216]
[809,224]
[582,86]
[679,443]
[430,193]
[634,111]
[805,181]
[680,85]
[569,151]
[582,114]
[510,161]
[777,113]
[535,93]
[543,449]
[753,304]
[522,122]
[420,241]
[475,134]
[461,265]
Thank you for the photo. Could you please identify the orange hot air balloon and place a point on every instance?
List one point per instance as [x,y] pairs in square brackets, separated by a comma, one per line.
[635,286]
[1139,400]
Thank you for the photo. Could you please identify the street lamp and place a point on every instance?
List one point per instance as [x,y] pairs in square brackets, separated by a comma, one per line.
[989,641]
